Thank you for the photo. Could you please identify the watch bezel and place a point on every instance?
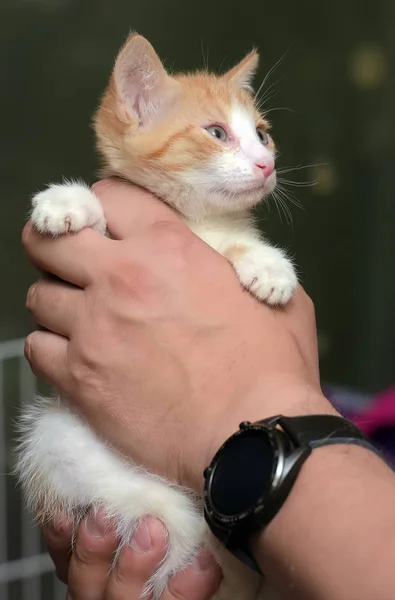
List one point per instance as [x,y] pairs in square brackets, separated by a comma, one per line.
[277,441]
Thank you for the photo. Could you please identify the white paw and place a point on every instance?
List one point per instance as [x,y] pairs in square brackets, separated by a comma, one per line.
[268,274]
[66,208]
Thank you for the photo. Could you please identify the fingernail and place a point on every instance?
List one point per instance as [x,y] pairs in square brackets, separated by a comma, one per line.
[203,561]
[141,540]
[28,347]
[30,295]
[97,524]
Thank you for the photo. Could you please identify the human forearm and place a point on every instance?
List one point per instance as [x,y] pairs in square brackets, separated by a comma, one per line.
[334,538]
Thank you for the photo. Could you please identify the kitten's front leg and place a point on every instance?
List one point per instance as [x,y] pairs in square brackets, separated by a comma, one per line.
[66,208]
[264,270]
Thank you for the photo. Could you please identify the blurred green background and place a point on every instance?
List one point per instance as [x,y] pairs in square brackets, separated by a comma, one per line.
[332,105]
[337,77]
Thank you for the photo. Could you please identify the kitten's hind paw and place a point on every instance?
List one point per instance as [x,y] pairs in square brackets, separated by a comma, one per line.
[67,208]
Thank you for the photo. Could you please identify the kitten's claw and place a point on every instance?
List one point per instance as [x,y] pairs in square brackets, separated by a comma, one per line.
[67,208]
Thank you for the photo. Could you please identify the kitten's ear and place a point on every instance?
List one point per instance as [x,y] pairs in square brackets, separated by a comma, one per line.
[140,79]
[243,73]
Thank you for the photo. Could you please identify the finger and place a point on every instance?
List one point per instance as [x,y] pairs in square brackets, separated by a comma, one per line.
[138,561]
[129,208]
[46,353]
[75,258]
[54,305]
[93,554]
[200,581]
[58,536]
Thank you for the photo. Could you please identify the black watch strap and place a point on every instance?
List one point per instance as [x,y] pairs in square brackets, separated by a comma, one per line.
[304,434]
[323,430]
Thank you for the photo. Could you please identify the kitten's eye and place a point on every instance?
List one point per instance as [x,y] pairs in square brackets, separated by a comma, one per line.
[263,135]
[218,132]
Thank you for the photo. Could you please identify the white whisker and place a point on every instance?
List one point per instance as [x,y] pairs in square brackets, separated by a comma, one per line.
[269,94]
[282,208]
[289,196]
[282,170]
[205,59]
[296,183]
[270,72]
[286,108]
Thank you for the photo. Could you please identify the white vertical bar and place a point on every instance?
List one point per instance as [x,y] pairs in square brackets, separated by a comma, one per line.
[31,586]
[23,568]
[3,484]
[12,349]
[59,589]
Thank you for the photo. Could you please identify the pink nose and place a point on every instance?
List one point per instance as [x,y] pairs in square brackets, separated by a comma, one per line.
[267,167]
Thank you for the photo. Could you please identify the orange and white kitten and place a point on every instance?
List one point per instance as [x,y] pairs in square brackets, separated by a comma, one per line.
[198,142]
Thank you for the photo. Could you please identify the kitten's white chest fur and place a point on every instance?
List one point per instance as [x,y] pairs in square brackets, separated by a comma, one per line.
[61,462]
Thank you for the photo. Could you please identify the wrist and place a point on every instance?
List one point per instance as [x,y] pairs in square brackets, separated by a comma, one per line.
[265,401]
[317,541]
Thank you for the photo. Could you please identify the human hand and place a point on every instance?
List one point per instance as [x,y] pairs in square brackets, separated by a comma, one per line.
[87,568]
[157,344]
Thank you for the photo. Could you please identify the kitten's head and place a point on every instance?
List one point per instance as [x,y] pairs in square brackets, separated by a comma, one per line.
[196,140]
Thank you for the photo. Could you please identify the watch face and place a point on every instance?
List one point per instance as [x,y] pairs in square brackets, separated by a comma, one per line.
[243,475]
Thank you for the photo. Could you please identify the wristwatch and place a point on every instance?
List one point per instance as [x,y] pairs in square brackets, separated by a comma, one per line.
[253,472]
